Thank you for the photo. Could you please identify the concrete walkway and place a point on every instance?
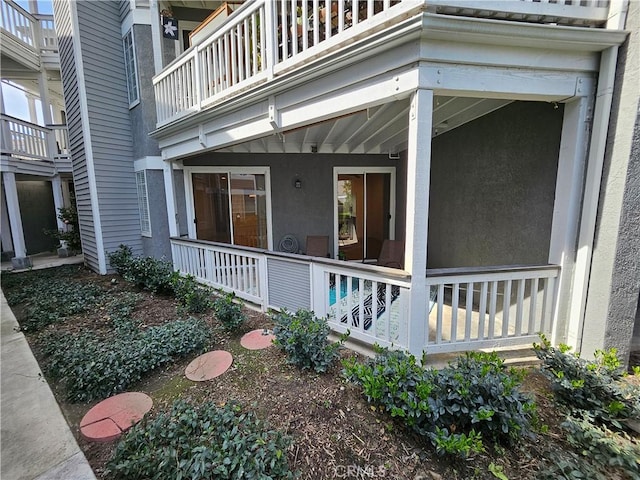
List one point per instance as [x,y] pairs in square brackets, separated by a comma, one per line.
[36,442]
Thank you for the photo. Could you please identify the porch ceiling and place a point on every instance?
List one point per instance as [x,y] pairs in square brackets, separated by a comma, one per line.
[382,129]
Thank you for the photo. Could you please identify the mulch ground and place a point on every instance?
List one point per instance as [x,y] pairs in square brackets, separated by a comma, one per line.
[336,433]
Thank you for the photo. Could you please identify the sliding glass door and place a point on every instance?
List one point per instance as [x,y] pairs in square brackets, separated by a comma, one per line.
[365,213]
[231,207]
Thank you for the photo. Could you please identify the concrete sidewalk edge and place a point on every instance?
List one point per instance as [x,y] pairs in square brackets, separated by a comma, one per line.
[36,441]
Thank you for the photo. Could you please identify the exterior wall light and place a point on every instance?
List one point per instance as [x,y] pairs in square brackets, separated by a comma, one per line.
[297,183]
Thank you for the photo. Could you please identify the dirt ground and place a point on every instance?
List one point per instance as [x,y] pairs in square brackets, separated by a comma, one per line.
[336,433]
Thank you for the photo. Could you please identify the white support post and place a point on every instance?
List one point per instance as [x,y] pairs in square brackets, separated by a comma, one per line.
[170,194]
[566,210]
[58,203]
[15,220]
[595,162]
[271,51]
[156,36]
[417,221]
[5,228]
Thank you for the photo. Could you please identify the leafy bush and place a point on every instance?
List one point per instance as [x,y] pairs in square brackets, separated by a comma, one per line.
[229,311]
[605,447]
[148,273]
[119,308]
[201,442]
[455,407]
[563,465]
[92,368]
[590,385]
[303,337]
[193,298]
[51,302]
[71,233]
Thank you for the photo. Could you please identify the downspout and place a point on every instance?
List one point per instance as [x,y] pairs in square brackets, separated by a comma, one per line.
[595,162]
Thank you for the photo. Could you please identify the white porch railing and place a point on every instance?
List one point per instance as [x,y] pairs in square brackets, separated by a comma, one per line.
[36,31]
[18,22]
[29,141]
[489,307]
[469,309]
[61,135]
[230,269]
[264,39]
[25,140]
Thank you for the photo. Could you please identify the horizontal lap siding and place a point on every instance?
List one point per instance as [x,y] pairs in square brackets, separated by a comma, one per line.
[76,138]
[289,284]
[108,106]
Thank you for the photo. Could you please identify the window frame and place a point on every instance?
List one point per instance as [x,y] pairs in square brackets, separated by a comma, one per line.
[143,203]
[129,50]
[190,201]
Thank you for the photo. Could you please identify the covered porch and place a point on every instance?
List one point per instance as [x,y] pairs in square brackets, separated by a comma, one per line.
[483,140]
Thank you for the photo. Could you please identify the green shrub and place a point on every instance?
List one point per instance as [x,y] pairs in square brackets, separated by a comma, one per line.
[229,311]
[71,234]
[119,308]
[591,385]
[456,407]
[193,298]
[565,465]
[49,302]
[92,368]
[602,445]
[201,442]
[303,337]
[148,273]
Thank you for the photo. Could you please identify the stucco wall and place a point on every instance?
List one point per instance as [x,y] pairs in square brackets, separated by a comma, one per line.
[158,244]
[143,115]
[493,187]
[304,211]
[614,283]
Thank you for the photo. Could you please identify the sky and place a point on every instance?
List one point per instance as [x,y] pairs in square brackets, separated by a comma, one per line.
[15,102]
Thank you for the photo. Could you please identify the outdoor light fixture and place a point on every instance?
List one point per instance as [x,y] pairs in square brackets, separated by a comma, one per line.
[297,183]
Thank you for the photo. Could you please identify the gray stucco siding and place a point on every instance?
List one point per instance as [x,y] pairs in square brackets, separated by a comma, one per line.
[492,188]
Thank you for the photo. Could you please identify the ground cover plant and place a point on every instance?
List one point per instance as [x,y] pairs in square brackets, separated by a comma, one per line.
[200,442]
[334,432]
[458,408]
[304,339]
[596,403]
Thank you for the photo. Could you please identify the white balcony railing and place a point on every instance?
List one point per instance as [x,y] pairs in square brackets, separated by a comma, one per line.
[28,141]
[468,308]
[264,39]
[35,31]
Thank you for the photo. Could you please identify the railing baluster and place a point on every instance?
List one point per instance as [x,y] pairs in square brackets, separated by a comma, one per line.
[469,312]
[440,313]
[532,306]
[492,309]
[520,306]
[482,309]
[455,294]
[506,306]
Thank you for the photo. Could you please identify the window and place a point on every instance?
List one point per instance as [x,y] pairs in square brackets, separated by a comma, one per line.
[130,68]
[143,203]
[231,206]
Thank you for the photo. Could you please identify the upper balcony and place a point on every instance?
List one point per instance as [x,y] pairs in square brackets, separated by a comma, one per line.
[263,40]
[31,149]
[28,40]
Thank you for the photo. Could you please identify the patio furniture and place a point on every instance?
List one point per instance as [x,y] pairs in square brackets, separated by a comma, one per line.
[391,254]
[317,245]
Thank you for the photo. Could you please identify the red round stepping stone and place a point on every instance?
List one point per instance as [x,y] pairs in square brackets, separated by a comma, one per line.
[257,339]
[208,366]
[108,419]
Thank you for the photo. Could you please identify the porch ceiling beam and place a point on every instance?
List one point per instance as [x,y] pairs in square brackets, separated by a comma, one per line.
[373,115]
[479,109]
[383,118]
[393,86]
[476,81]
[397,143]
[397,123]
